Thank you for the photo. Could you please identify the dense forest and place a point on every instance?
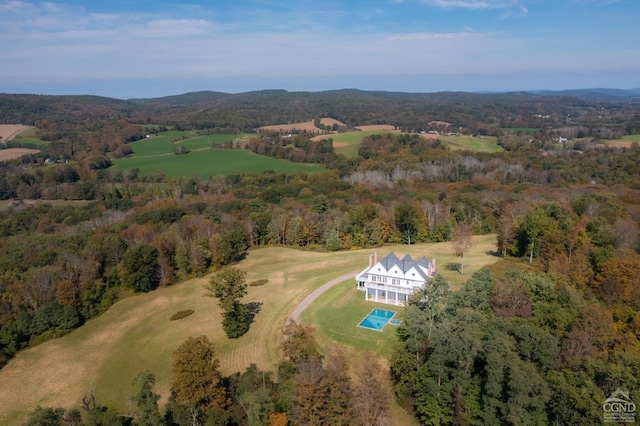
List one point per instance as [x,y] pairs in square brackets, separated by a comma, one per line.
[530,345]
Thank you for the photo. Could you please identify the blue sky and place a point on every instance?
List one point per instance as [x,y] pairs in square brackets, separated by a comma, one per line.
[128,49]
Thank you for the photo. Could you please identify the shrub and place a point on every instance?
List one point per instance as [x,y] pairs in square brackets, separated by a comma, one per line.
[257,283]
[181,314]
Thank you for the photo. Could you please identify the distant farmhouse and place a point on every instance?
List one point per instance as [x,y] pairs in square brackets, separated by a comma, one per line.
[392,280]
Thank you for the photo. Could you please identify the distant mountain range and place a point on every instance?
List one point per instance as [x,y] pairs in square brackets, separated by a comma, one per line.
[207,97]
[597,94]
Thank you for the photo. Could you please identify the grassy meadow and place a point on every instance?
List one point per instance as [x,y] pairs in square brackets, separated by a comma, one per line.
[527,130]
[156,154]
[29,136]
[472,143]
[347,143]
[623,142]
[135,334]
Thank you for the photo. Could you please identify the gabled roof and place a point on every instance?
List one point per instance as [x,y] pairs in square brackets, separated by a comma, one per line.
[406,263]
[389,260]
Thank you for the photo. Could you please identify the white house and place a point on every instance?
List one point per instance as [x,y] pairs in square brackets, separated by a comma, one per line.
[392,280]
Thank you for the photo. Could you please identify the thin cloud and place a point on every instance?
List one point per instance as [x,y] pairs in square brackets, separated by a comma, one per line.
[470,4]
[439,36]
[522,12]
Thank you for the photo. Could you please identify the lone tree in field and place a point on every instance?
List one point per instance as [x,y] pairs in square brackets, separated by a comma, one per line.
[461,241]
[229,286]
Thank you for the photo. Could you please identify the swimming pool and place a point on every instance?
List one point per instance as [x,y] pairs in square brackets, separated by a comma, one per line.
[377,319]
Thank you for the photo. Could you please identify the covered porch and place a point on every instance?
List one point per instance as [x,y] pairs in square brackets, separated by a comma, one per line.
[391,297]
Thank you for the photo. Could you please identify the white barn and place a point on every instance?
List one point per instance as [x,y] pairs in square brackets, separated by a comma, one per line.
[392,280]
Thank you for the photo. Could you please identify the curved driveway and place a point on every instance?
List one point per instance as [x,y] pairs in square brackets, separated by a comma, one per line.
[297,312]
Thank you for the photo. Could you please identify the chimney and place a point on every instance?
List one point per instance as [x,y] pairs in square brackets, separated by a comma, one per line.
[370,260]
[375,257]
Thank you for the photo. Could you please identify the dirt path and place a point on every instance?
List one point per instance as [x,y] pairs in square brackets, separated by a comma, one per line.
[297,312]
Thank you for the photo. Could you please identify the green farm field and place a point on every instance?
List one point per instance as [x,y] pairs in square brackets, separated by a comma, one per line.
[166,142]
[347,143]
[135,334]
[209,162]
[29,136]
[156,154]
[623,142]
[528,130]
[472,143]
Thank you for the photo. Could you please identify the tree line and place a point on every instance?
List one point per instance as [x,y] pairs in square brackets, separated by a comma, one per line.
[307,388]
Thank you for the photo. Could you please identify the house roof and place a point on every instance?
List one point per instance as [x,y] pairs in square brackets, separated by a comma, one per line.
[405,263]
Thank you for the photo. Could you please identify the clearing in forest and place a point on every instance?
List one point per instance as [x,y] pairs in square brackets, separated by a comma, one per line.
[307,126]
[135,334]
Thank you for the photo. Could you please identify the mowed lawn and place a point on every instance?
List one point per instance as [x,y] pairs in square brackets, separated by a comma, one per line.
[135,334]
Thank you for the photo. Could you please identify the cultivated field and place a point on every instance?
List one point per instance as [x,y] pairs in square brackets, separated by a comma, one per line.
[307,126]
[13,153]
[383,127]
[624,142]
[30,136]
[135,334]
[472,143]
[9,131]
[156,154]
[347,143]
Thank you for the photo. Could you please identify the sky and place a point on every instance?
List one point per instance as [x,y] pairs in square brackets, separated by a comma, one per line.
[150,48]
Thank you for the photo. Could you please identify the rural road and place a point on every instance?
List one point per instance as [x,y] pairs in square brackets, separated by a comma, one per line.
[297,312]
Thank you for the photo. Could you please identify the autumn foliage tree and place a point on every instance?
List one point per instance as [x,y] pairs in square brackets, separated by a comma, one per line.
[197,382]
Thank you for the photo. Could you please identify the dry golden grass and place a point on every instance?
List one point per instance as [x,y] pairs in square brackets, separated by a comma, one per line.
[13,153]
[9,131]
[307,126]
[384,127]
[136,334]
[330,122]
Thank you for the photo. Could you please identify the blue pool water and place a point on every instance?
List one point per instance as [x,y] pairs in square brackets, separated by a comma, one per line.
[377,319]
